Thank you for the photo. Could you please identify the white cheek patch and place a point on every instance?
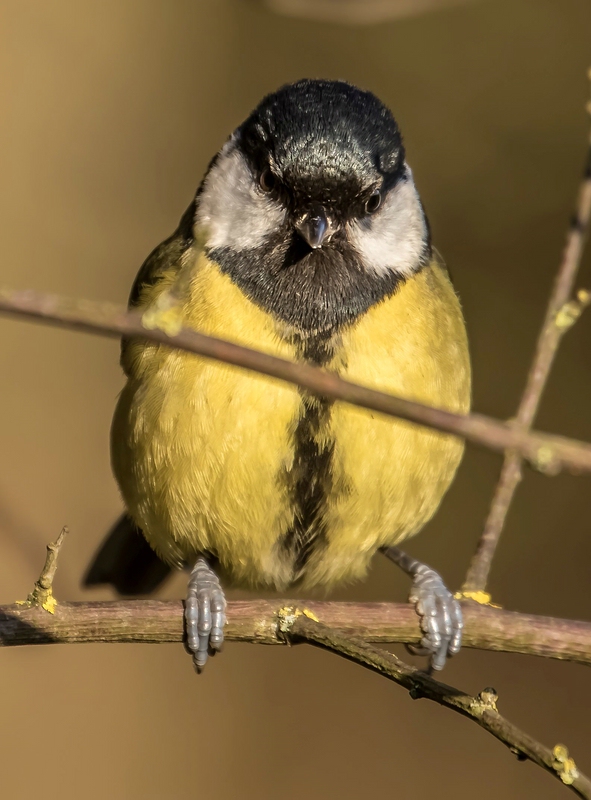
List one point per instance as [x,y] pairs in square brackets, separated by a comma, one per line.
[393,239]
[231,209]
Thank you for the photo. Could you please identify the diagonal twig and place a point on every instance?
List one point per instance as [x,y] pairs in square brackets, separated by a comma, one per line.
[548,453]
[561,313]
[300,626]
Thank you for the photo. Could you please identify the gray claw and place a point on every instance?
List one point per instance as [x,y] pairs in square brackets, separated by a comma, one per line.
[441,616]
[205,613]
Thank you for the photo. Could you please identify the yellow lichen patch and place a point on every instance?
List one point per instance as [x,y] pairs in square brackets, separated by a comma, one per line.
[483,598]
[168,320]
[49,604]
[571,311]
[310,614]
[564,765]
[166,313]
[545,459]
[40,597]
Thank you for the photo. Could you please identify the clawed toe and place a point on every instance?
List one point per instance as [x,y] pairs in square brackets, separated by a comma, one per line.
[205,613]
[439,612]
[440,616]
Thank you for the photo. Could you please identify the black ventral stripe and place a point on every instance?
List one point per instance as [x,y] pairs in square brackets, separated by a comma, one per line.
[309,481]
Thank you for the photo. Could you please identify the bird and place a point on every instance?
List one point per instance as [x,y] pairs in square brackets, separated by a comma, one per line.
[306,239]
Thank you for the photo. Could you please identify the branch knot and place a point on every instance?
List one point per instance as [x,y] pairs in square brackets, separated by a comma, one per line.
[287,616]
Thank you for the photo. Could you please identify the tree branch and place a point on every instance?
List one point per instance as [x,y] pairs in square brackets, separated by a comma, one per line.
[159,621]
[42,594]
[482,709]
[278,622]
[547,453]
[560,316]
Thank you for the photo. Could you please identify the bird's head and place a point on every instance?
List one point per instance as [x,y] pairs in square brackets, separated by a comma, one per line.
[311,208]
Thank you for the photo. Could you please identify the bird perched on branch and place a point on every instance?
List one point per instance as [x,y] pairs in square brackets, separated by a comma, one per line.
[307,239]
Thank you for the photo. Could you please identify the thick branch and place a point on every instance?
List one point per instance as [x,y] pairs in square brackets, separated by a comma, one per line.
[481,709]
[545,452]
[560,315]
[158,621]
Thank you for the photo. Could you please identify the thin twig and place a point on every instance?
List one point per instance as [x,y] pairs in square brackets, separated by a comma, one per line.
[159,621]
[42,594]
[547,453]
[481,709]
[562,312]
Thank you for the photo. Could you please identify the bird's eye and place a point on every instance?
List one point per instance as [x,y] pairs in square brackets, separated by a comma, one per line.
[267,180]
[374,202]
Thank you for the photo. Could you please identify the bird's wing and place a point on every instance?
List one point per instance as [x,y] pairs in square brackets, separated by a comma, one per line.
[165,256]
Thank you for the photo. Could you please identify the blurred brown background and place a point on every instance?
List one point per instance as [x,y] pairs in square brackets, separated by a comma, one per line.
[110,113]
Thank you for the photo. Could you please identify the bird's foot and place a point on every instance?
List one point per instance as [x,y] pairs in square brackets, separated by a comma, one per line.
[440,616]
[205,613]
[439,612]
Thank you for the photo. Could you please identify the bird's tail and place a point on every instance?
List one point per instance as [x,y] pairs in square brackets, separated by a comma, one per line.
[126,561]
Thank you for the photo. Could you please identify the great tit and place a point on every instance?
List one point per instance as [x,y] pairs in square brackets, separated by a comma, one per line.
[307,239]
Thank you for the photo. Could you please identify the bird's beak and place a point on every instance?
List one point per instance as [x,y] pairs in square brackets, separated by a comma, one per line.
[314,227]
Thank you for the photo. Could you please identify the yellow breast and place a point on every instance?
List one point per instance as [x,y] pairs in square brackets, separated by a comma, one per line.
[203,452]
[393,474]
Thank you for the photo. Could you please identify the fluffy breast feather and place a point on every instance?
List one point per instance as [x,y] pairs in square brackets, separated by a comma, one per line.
[201,449]
[393,474]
